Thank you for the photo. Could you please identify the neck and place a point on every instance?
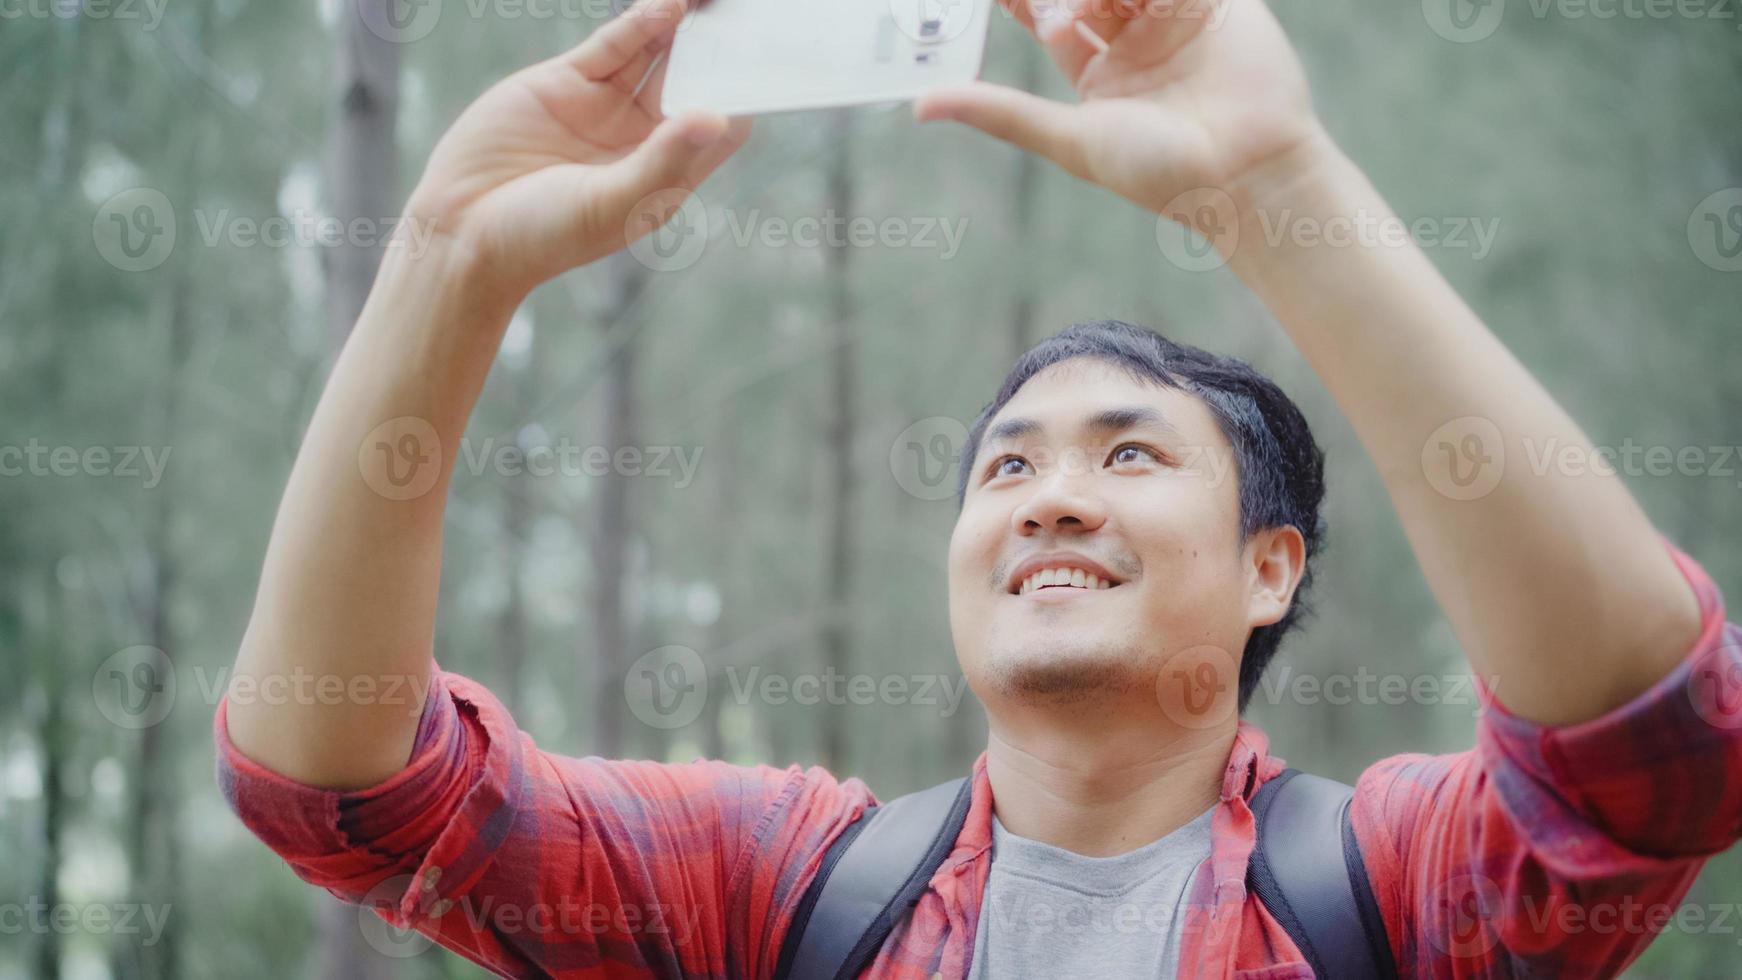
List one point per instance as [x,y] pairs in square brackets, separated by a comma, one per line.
[1099,796]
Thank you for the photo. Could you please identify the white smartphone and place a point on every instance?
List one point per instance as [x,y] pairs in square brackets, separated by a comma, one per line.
[751,57]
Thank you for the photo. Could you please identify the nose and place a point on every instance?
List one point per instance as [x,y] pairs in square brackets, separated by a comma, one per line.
[1059,504]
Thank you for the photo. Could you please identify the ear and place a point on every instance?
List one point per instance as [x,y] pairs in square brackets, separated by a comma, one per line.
[1275,560]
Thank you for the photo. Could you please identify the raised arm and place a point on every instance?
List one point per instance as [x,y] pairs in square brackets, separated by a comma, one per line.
[542,174]
[1557,584]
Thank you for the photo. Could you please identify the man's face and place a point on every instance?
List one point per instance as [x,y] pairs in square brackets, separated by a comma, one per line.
[1130,489]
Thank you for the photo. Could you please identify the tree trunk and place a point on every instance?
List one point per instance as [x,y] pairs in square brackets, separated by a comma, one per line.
[728,510]
[362,167]
[513,630]
[512,641]
[153,846]
[1022,326]
[608,649]
[838,440]
[62,162]
[52,646]
[362,164]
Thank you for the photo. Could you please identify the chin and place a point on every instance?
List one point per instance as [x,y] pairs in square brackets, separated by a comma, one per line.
[1066,672]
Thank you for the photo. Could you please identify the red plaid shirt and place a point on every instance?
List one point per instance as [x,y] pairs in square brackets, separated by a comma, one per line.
[1541,852]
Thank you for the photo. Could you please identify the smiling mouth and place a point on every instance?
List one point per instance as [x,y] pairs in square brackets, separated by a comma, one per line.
[1063,577]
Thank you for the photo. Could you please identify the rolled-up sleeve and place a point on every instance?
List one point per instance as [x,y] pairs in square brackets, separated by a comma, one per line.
[1561,851]
[458,794]
[536,864]
[1656,778]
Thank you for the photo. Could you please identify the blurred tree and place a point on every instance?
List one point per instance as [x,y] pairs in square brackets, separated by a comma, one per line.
[610,513]
[361,181]
[839,436]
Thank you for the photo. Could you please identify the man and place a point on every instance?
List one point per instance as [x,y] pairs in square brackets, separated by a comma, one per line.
[1111,600]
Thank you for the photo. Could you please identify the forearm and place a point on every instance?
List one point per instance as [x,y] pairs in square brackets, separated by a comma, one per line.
[332,672]
[1556,583]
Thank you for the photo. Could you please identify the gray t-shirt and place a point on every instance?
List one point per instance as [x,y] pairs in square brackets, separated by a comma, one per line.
[1049,913]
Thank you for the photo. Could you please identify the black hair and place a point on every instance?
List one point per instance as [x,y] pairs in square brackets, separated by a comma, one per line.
[1279,467]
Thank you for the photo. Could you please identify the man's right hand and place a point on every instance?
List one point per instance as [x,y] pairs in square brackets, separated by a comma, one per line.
[545,171]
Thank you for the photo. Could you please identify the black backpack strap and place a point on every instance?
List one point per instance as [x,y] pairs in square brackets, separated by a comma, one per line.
[1307,870]
[861,892]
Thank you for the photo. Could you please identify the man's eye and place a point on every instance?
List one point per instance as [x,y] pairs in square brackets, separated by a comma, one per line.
[1133,454]
[1010,466]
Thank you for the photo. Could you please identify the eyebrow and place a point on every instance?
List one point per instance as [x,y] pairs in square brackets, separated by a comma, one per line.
[1103,422]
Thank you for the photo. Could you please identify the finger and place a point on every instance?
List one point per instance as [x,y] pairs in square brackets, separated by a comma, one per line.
[1050,129]
[634,74]
[1166,28]
[626,37]
[675,154]
[649,88]
[1021,11]
[1104,20]
[736,135]
[1063,32]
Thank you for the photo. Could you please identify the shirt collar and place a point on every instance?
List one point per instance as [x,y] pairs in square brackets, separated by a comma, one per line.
[1250,765]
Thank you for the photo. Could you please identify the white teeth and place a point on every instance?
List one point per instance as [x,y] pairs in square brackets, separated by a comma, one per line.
[1073,577]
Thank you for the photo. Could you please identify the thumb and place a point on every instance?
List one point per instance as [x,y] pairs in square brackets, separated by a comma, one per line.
[667,158]
[1042,126]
